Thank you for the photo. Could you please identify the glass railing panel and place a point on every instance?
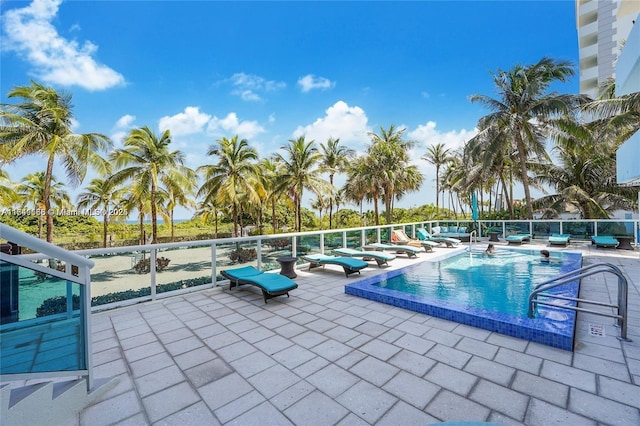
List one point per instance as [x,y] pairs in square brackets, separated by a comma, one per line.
[354,239]
[121,276]
[332,240]
[308,244]
[516,227]
[623,229]
[492,227]
[545,229]
[371,236]
[185,267]
[43,325]
[578,229]
[274,248]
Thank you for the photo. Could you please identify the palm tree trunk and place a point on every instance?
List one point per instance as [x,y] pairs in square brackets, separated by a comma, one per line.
[437,187]
[172,227]
[154,219]
[105,225]
[375,209]
[47,198]
[331,204]
[524,173]
[274,223]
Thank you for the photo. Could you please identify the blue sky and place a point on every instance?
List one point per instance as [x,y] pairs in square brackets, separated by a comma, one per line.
[272,71]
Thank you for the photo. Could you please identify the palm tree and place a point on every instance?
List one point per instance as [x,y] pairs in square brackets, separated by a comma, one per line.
[7,191]
[299,172]
[335,159]
[390,155]
[147,163]
[585,175]
[32,191]
[363,184]
[319,204]
[437,155]
[41,124]
[232,177]
[524,109]
[101,194]
[180,187]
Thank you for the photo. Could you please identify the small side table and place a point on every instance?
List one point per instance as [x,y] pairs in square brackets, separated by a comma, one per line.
[286,266]
[624,243]
[493,236]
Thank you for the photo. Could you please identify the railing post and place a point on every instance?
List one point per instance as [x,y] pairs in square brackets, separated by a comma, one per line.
[214,272]
[344,238]
[294,246]
[259,253]
[322,243]
[152,267]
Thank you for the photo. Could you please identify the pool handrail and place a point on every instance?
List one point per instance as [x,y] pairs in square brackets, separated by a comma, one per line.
[589,270]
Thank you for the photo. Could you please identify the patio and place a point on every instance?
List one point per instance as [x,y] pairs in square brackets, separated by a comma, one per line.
[322,357]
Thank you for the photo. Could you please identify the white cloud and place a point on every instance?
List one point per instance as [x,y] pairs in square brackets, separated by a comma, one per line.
[231,125]
[249,86]
[427,135]
[310,82]
[185,123]
[28,31]
[340,121]
[125,121]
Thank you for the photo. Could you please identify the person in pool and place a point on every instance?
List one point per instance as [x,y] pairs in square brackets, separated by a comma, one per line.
[544,256]
[490,250]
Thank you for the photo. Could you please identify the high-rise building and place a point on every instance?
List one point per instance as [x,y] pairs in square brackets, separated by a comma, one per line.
[603,27]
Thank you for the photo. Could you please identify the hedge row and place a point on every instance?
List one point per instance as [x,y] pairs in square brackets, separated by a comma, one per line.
[57,305]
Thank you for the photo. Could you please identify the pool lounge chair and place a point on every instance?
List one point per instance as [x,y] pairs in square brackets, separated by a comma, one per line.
[605,241]
[559,239]
[424,235]
[398,236]
[350,265]
[517,239]
[272,285]
[381,258]
[410,251]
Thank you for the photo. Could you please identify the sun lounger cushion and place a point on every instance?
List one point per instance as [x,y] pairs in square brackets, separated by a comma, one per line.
[410,251]
[518,238]
[424,235]
[272,285]
[349,264]
[380,257]
[605,241]
[559,239]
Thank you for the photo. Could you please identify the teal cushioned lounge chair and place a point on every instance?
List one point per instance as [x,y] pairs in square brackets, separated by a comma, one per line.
[410,251]
[606,241]
[272,285]
[519,238]
[381,258]
[559,239]
[350,265]
[425,236]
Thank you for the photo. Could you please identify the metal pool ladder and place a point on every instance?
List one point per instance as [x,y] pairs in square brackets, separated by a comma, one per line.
[596,268]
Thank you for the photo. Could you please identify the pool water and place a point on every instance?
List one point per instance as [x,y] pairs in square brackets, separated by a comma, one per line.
[489,292]
[500,283]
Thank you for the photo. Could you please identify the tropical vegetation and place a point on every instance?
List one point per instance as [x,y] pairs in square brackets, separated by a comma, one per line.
[563,145]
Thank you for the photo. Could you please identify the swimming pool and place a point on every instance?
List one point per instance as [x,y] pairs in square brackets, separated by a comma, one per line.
[489,292]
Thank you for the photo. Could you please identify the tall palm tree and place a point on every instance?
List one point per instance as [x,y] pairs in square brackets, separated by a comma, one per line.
[101,194]
[585,173]
[439,156]
[299,172]
[32,191]
[41,124]
[146,162]
[335,158]
[268,172]
[363,184]
[181,186]
[524,109]
[390,155]
[232,177]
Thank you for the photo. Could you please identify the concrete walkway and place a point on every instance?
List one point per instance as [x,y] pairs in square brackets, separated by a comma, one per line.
[322,357]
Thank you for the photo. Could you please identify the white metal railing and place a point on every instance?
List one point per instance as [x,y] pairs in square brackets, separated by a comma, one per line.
[83,278]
